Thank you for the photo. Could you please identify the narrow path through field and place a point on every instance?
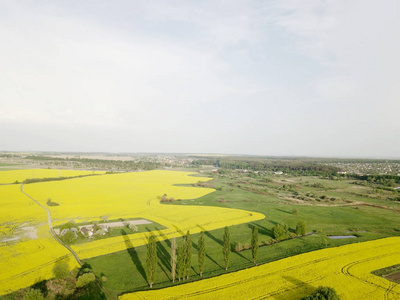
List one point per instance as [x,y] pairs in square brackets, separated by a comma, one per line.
[51,227]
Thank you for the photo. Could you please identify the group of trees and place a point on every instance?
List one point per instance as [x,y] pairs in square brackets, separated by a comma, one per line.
[281,231]
[164,198]
[181,255]
[66,284]
[184,261]
[291,166]
[384,180]
[142,163]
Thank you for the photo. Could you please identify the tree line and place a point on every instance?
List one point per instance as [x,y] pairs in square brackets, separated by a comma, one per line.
[290,166]
[385,180]
[181,255]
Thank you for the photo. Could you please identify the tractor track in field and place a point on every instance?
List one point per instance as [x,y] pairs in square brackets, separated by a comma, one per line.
[345,270]
[388,290]
[51,227]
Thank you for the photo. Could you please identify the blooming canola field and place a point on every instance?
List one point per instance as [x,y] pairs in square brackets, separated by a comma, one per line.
[26,259]
[20,175]
[135,195]
[346,268]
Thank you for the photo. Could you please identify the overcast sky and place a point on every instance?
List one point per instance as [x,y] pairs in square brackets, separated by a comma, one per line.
[314,78]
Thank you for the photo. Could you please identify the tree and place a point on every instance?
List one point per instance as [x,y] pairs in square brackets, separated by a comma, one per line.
[301,228]
[180,270]
[254,244]
[61,269]
[280,231]
[202,252]
[33,294]
[85,279]
[152,259]
[188,254]
[173,259]
[69,225]
[164,198]
[323,293]
[227,247]
[69,237]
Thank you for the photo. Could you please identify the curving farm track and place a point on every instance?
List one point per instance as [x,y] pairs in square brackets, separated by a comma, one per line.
[53,234]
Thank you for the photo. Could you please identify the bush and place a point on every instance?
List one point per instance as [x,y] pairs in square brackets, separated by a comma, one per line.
[323,293]
[85,279]
[133,227]
[301,228]
[280,232]
[32,294]
[61,270]
[238,247]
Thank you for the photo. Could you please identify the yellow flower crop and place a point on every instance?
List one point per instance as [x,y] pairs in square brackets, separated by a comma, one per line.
[25,261]
[21,175]
[127,195]
[347,269]
[134,195]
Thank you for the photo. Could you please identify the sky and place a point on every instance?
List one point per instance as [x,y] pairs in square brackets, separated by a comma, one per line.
[282,78]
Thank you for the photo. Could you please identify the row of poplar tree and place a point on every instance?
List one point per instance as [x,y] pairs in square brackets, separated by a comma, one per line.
[181,255]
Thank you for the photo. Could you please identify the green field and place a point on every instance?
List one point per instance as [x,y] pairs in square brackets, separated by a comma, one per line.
[329,207]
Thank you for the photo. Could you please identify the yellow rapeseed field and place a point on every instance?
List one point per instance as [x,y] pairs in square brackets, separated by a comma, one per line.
[21,175]
[347,269]
[16,209]
[134,195]
[30,258]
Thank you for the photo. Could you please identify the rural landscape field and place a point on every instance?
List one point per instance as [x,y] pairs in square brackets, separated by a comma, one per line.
[347,268]
[349,237]
[199,150]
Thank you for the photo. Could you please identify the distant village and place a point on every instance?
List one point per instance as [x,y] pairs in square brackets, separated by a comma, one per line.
[367,168]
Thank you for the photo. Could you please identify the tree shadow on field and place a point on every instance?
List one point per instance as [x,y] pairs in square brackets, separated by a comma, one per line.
[178,230]
[285,211]
[261,229]
[163,255]
[208,256]
[208,234]
[133,254]
[273,222]
[300,288]
[167,241]
[40,284]
[238,253]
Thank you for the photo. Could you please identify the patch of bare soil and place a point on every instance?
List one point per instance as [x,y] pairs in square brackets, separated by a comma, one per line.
[30,232]
[394,277]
